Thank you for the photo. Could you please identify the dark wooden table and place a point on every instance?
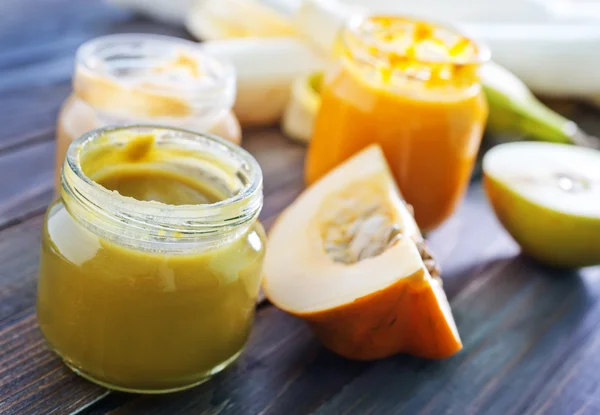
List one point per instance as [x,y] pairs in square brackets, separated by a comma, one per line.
[531,335]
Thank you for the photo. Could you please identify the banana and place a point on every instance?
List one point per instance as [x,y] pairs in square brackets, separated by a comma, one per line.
[299,115]
[265,69]
[515,110]
[229,19]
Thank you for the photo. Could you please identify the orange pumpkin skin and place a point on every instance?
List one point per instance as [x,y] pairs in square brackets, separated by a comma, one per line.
[373,307]
[405,317]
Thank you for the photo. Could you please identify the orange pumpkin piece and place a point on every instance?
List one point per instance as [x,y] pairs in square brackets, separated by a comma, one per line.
[348,258]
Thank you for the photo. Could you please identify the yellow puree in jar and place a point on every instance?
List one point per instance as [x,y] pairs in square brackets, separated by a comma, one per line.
[139,320]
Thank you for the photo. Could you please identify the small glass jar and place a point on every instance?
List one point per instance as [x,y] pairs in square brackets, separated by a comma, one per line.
[141,78]
[140,295]
[413,88]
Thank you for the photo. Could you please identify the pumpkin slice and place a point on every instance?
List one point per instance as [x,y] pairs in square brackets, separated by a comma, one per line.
[348,258]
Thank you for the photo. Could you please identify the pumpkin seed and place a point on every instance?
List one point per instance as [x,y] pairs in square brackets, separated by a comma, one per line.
[358,227]
[357,224]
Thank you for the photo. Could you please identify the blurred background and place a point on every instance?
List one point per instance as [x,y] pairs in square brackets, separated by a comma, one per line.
[552,46]
[544,86]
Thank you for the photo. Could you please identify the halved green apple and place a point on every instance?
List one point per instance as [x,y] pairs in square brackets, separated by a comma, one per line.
[547,196]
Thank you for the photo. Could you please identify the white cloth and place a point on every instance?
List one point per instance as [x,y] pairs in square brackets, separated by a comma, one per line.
[552,45]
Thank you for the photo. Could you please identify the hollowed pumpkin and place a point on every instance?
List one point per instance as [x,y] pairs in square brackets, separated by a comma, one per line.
[348,258]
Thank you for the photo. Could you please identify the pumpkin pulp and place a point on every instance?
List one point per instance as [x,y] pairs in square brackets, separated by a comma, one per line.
[360,272]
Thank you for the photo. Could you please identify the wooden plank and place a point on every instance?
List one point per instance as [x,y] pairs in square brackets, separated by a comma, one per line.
[507,372]
[32,116]
[19,256]
[560,372]
[530,335]
[282,163]
[26,182]
[37,63]
[505,309]
[32,378]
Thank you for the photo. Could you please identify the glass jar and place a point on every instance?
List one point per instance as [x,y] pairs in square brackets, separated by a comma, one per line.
[139,295]
[141,78]
[413,88]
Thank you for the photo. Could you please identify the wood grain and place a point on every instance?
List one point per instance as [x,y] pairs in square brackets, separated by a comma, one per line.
[282,162]
[38,40]
[19,256]
[32,379]
[26,185]
[530,334]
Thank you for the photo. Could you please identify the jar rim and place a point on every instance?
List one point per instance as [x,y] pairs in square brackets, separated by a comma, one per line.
[210,89]
[171,223]
[481,55]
